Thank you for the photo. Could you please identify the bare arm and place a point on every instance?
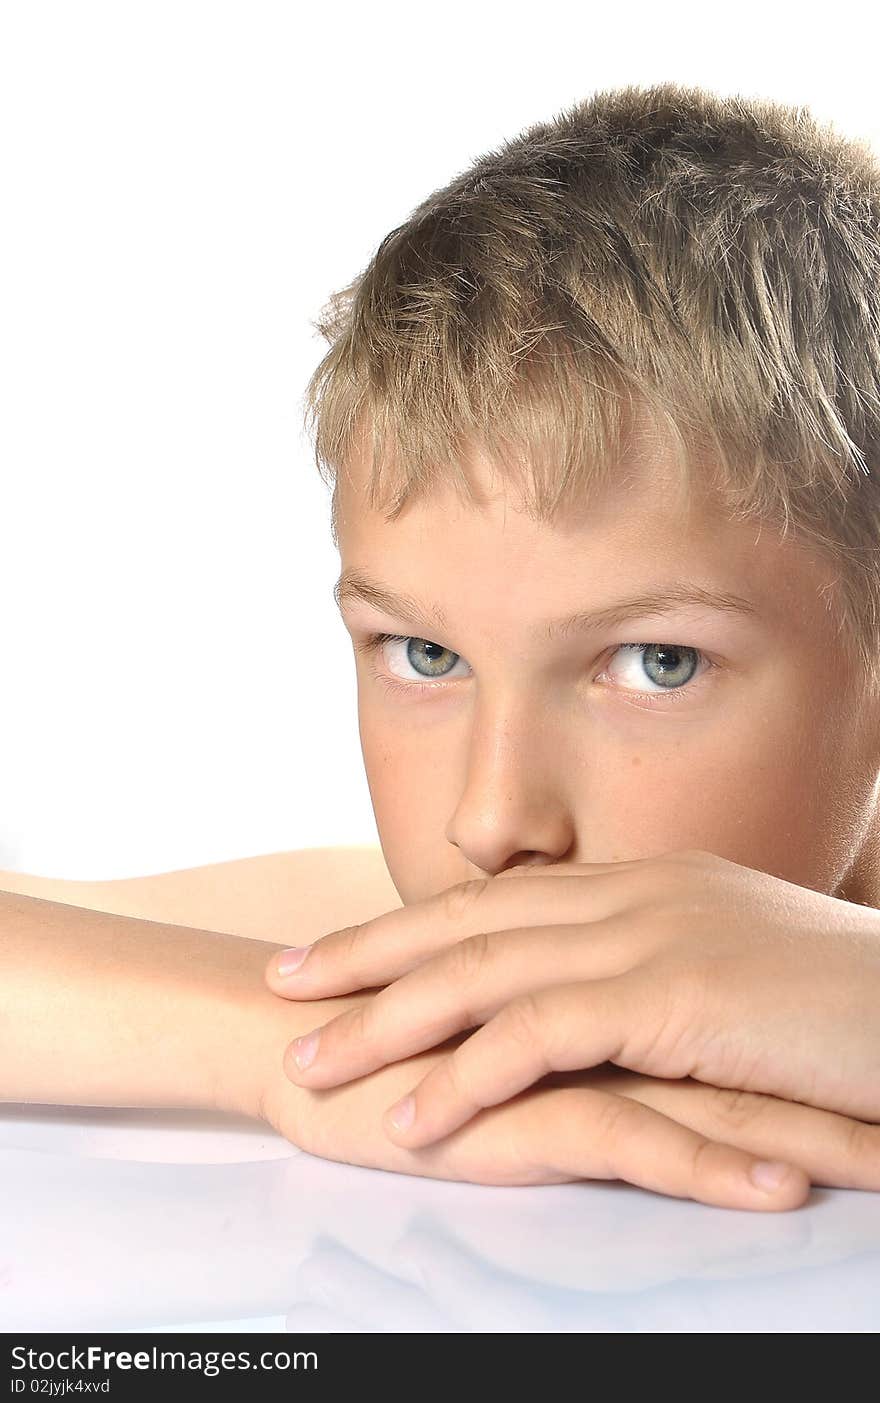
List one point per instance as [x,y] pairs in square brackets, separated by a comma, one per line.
[287,897]
[98,1008]
[106,1010]
[149,991]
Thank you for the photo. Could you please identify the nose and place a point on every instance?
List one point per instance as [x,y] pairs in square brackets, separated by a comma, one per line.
[513,810]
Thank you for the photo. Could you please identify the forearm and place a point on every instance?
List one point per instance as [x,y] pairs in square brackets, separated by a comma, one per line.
[105,1010]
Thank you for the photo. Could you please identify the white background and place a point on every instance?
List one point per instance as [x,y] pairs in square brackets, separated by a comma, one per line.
[182,185]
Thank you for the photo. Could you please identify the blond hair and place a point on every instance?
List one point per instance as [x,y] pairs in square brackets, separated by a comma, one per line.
[713,259]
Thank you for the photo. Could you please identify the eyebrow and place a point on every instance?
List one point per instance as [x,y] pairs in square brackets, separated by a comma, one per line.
[354,584]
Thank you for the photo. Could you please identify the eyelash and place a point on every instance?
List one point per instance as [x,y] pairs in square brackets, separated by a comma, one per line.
[373,643]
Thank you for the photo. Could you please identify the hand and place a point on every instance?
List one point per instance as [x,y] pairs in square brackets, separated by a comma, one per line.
[679,1138]
[682,965]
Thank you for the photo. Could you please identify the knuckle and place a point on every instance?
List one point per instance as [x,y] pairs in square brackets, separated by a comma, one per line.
[356,1025]
[529,869]
[654,887]
[667,1040]
[861,1140]
[311,1132]
[457,902]
[736,1107]
[522,1020]
[614,1117]
[347,945]
[701,1160]
[468,958]
[462,1086]
[528,1130]
[702,858]
[691,856]
[680,867]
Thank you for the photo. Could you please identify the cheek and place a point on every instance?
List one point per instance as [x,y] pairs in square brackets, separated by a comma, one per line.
[769,795]
[781,786]
[410,790]
[786,793]
[384,767]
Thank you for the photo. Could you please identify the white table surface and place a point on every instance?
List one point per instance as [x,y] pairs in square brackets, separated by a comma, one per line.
[146,1220]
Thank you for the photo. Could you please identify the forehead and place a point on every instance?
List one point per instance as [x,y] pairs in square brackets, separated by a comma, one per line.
[639,532]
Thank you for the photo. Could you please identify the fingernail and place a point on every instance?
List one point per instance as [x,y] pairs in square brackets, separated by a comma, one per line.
[305,1049]
[290,960]
[768,1174]
[403,1113]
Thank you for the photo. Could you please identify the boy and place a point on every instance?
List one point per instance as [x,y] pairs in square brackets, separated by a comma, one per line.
[618,382]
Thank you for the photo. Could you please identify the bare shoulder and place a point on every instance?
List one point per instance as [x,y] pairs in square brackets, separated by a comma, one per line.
[291,897]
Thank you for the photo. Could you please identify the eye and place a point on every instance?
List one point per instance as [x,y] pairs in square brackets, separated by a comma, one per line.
[669,667]
[430,662]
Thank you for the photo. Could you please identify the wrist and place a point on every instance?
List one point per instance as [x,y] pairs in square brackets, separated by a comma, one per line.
[251,1037]
[99,1009]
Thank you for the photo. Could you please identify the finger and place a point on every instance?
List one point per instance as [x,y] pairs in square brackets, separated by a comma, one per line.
[834,1150]
[457,990]
[560,1028]
[587,1134]
[380,950]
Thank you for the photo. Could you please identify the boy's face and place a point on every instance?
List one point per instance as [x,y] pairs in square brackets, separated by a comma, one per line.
[528,749]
